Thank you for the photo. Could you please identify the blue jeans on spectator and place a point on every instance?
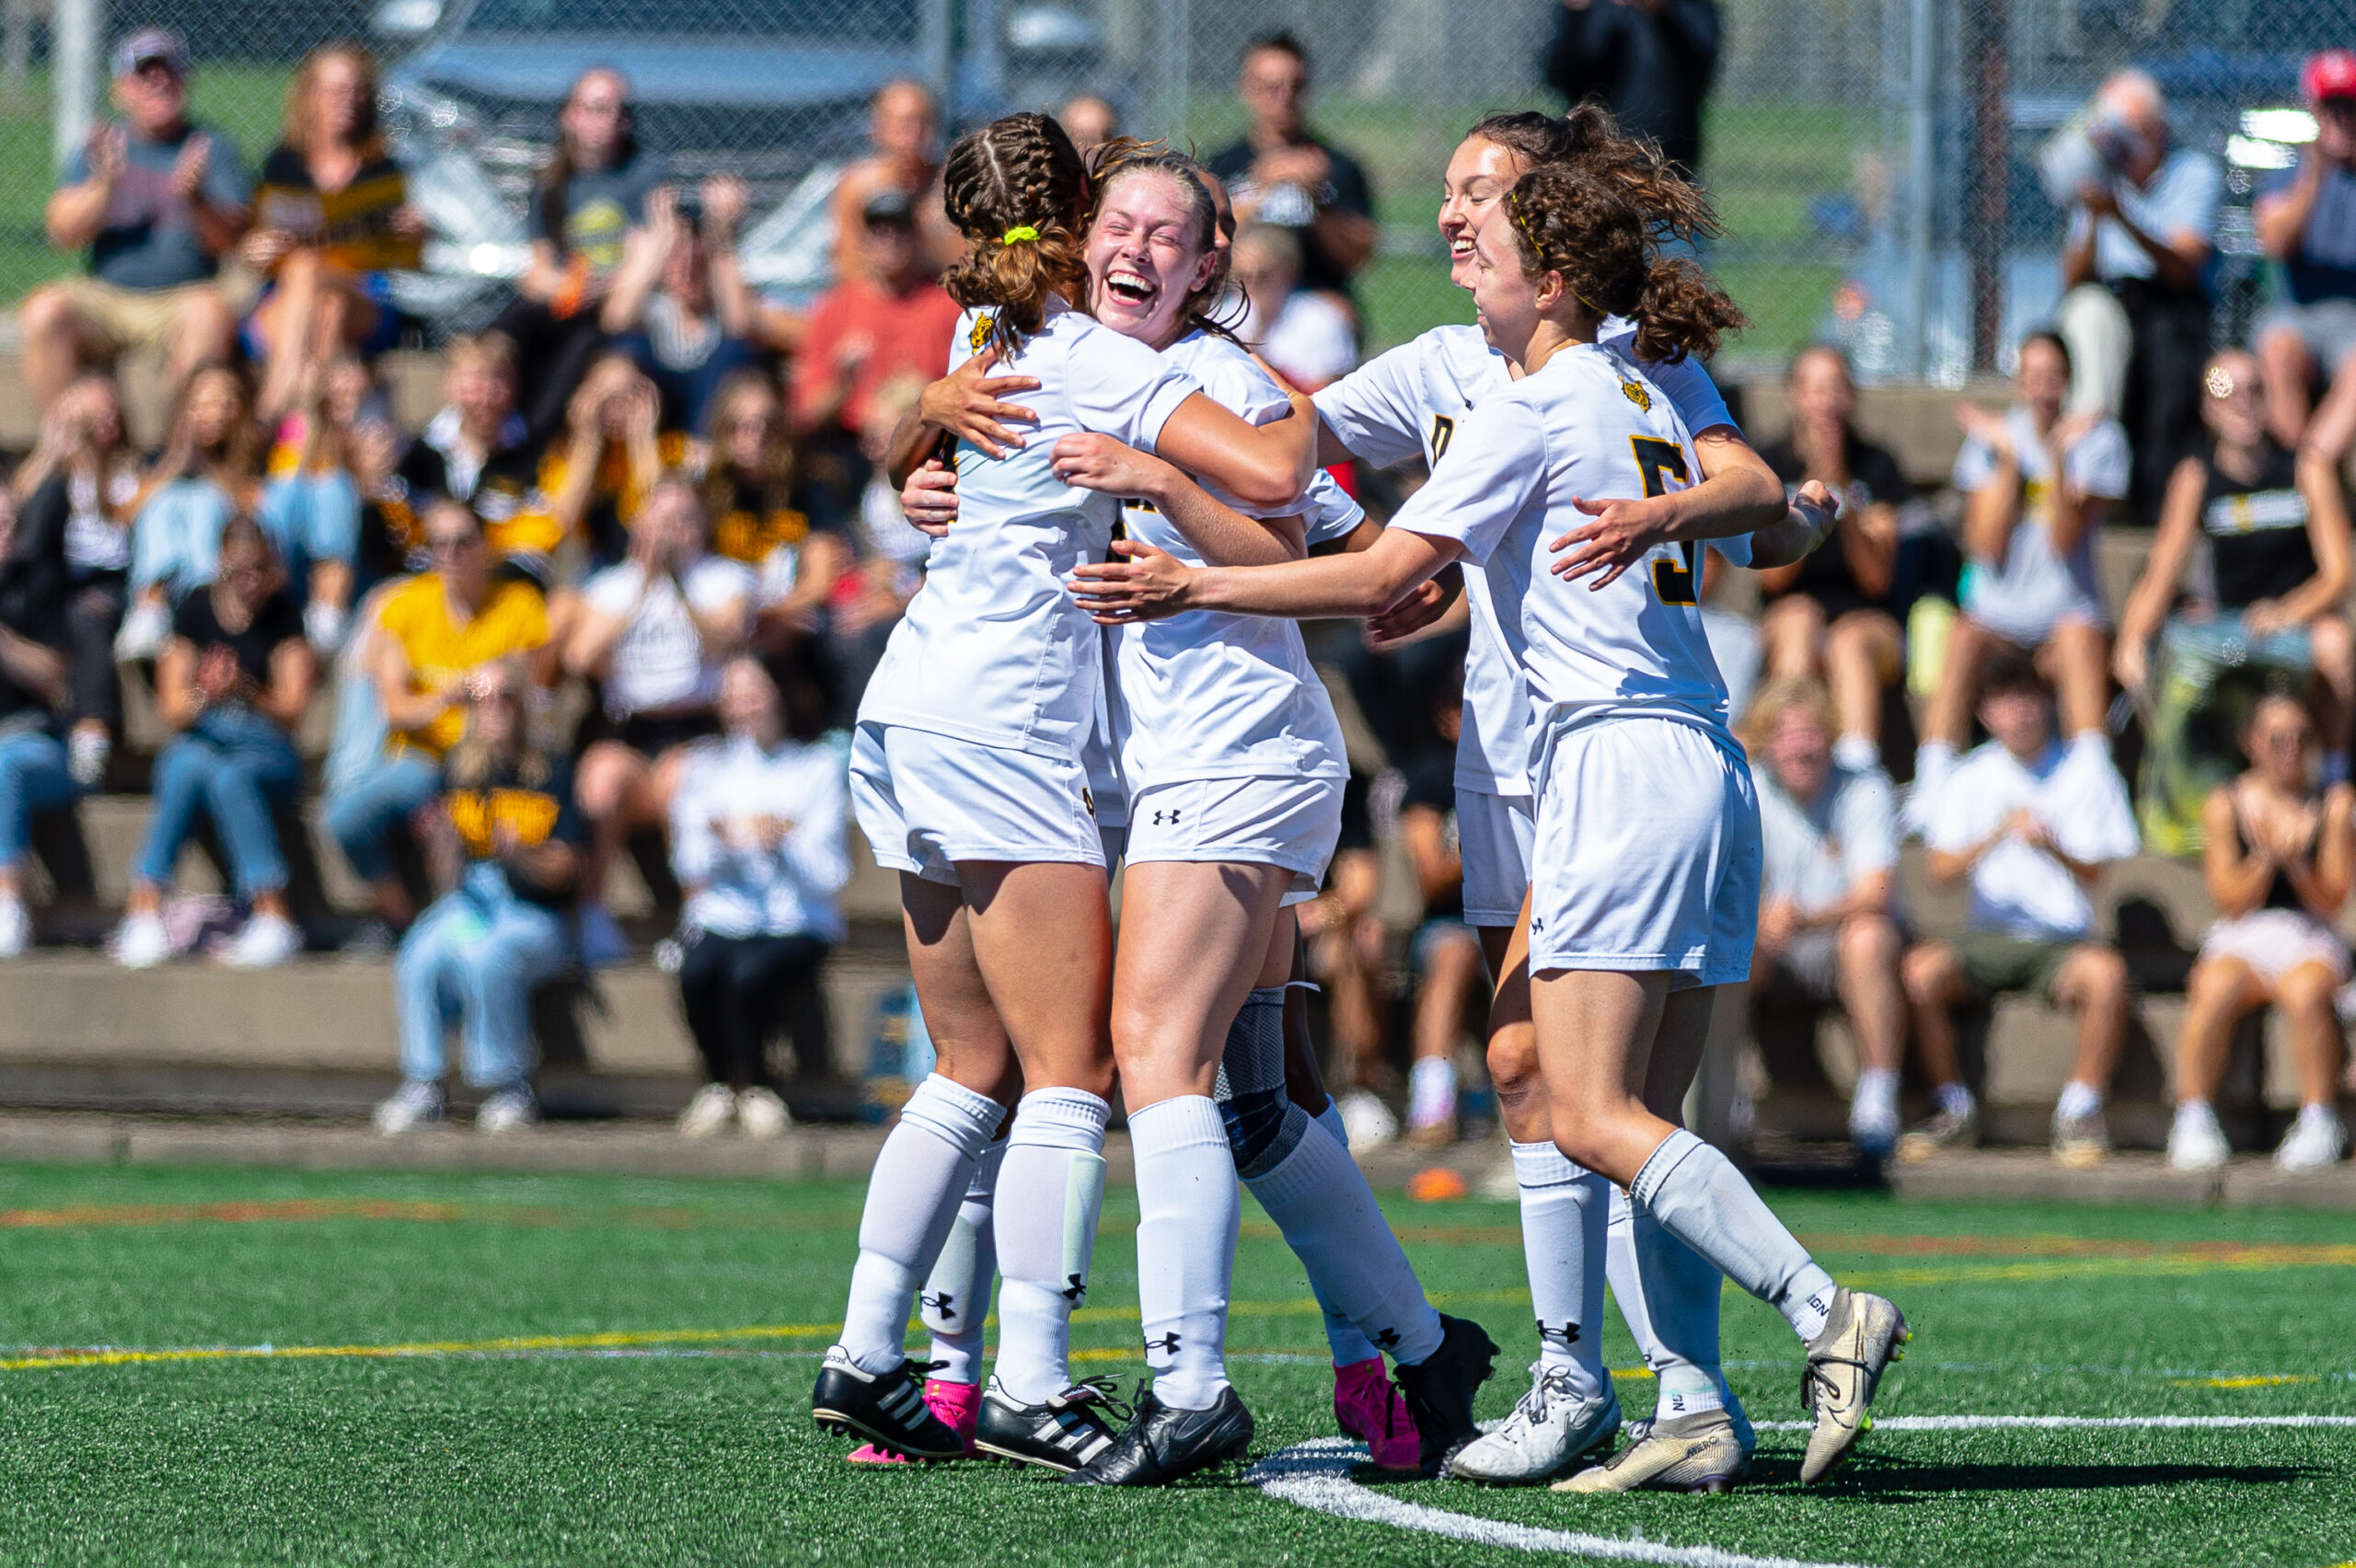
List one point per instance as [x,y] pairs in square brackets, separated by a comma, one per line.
[471,960]
[175,540]
[238,767]
[33,779]
[364,812]
[686,394]
[311,518]
[2220,640]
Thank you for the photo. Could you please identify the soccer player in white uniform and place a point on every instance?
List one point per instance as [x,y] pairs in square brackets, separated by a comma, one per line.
[968,778]
[1234,761]
[1646,853]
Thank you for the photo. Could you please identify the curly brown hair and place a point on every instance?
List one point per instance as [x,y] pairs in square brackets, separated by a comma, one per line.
[1589,139]
[1589,229]
[1122,157]
[1018,172]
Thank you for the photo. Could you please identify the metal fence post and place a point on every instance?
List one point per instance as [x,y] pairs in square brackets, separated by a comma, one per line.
[1922,175]
[76,30]
[1986,52]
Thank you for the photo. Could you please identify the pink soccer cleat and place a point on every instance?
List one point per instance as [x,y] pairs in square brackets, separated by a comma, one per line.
[955,1403]
[1368,1408]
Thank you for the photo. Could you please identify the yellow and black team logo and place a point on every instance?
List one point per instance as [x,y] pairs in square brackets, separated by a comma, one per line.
[1637,393]
[984,324]
[1088,802]
[1443,432]
[477,814]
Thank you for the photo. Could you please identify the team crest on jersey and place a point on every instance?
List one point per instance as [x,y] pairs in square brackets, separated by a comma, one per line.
[1633,390]
[984,324]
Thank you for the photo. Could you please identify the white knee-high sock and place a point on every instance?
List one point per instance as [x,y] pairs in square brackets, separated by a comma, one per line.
[956,1301]
[1052,1189]
[1669,1292]
[1563,1212]
[1342,1336]
[912,1200]
[1319,1198]
[1188,1210]
[1701,1198]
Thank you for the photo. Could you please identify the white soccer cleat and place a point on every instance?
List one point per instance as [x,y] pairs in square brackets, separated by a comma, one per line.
[760,1113]
[2316,1142]
[1863,1335]
[2195,1142]
[1552,1428]
[1702,1452]
[411,1106]
[708,1113]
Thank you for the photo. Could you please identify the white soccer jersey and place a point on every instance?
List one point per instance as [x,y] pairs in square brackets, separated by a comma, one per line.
[1410,403]
[1587,423]
[1208,696]
[994,649]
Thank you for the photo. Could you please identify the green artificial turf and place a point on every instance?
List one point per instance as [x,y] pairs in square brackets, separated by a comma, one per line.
[609,1370]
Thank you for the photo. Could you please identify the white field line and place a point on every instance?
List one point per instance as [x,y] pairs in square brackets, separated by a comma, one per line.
[2072,1422]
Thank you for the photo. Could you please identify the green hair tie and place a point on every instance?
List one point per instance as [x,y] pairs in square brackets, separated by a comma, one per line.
[1021,234]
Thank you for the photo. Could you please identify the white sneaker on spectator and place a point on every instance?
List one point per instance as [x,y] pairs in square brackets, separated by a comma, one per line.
[2195,1142]
[510,1110]
[140,941]
[1367,1119]
[87,751]
[266,941]
[412,1105]
[2315,1141]
[142,633]
[761,1114]
[1873,1114]
[709,1112]
[16,928]
[602,943]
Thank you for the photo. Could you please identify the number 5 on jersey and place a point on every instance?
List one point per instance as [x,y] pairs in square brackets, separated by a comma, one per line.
[1660,461]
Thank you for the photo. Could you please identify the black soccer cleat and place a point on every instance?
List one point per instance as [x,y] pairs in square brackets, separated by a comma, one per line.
[1063,1433]
[1439,1390]
[1164,1444]
[885,1408]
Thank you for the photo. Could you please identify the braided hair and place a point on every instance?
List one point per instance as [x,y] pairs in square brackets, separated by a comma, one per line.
[1589,229]
[1123,157]
[1017,191]
[1588,138]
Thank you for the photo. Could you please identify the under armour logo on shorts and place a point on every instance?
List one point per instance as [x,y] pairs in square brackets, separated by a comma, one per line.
[1165,819]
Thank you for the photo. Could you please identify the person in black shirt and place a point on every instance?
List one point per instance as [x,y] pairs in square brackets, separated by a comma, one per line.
[234,680]
[1830,616]
[2277,530]
[475,450]
[1649,62]
[1281,173]
[33,776]
[505,840]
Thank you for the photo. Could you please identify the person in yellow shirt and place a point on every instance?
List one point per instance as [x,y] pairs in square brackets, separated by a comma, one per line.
[433,635]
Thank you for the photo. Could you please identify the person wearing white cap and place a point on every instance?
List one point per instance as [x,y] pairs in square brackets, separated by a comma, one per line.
[157,200]
[2306,220]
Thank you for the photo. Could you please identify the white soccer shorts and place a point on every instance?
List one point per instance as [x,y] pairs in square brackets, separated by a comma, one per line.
[1289,821]
[926,801]
[1494,834]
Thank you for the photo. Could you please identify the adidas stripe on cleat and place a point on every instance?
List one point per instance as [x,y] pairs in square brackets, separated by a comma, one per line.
[1062,1433]
[888,1409]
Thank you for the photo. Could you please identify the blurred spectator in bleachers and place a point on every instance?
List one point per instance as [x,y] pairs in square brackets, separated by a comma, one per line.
[1307,336]
[35,774]
[1444,954]
[475,449]
[2264,532]
[1281,172]
[504,843]
[2135,313]
[311,505]
[2280,856]
[211,470]
[331,221]
[158,201]
[233,683]
[885,319]
[1342,929]
[1650,61]
[2039,485]
[870,585]
[583,206]
[592,484]
[2030,822]
[1089,121]
[902,157]
[653,632]
[1829,616]
[432,634]
[75,495]
[760,846]
[750,490]
[1826,934]
[2307,221]
[679,304]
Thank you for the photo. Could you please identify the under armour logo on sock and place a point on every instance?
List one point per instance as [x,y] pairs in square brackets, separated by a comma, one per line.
[944,1304]
[1567,1335]
[1387,1339]
[1076,1291]
[1165,819]
[1167,1344]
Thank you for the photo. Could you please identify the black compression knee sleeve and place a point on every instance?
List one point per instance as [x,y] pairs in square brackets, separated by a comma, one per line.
[1263,1124]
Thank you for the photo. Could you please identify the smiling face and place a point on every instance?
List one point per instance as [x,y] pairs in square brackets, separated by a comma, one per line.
[1506,301]
[1146,256]
[1479,175]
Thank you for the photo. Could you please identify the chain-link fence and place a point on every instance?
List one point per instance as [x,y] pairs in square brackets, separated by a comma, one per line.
[1874,159]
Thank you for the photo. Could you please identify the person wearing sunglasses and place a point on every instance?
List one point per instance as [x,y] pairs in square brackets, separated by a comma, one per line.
[234,680]
[2276,526]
